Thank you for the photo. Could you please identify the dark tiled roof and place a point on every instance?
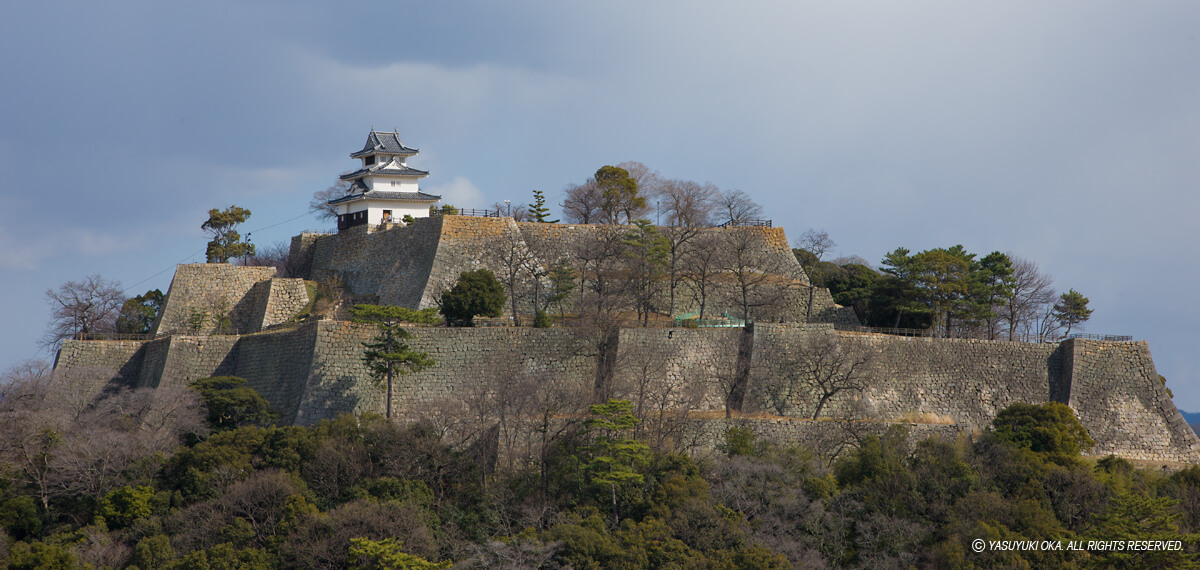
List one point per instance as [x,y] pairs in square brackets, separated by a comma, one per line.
[384,143]
[388,195]
[378,169]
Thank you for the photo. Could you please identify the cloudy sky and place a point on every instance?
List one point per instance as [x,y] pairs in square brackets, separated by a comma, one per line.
[1065,132]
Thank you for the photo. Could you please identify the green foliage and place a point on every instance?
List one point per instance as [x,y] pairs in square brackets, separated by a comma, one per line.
[366,313]
[388,356]
[446,210]
[225,557]
[562,283]
[386,554]
[1071,309]
[1047,428]
[477,293]
[408,220]
[615,458]
[738,441]
[125,505]
[41,556]
[19,516]
[231,403]
[226,242]
[538,212]
[196,319]
[542,320]
[139,313]
[621,200]
[153,553]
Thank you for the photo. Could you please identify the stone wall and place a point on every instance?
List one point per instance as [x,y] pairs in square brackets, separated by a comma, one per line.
[412,266]
[285,299]
[216,289]
[316,372]
[1123,404]
[118,361]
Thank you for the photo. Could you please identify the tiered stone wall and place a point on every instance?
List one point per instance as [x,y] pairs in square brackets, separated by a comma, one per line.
[213,288]
[316,372]
[285,299]
[117,361]
[412,266]
[389,267]
[1123,403]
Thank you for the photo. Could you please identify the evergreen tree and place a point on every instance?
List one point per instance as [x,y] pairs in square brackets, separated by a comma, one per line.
[226,242]
[615,456]
[388,355]
[538,212]
[621,201]
[477,293]
[139,313]
[1072,309]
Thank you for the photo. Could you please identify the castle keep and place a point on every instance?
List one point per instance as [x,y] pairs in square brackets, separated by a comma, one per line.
[311,369]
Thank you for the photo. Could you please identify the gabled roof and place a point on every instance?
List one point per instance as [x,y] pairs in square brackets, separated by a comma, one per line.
[380,169]
[384,143]
[388,196]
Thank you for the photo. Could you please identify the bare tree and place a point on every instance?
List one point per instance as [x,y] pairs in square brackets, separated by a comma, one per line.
[824,369]
[759,278]
[320,205]
[737,207]
[701,264]
[688,207]
[584,203]
[1032,294]
[515,263]
[817,243]
[274,255]
[81,307]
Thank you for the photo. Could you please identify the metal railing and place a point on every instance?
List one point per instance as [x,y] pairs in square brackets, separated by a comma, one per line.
[113,336]
[1108,337]
[469,212]
[746,224]
[931,333]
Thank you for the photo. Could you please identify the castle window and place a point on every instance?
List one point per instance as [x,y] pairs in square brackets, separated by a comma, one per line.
[369,161]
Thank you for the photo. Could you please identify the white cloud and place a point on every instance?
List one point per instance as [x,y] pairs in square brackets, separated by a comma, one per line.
[459,192]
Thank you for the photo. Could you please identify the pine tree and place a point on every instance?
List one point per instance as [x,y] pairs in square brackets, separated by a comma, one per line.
[538,212]
[388,355]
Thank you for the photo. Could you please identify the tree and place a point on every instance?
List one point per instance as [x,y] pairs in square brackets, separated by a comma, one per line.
[646,261]
[820,368]
[993,287]
[817,243]
[275,255]
[562,284]
[620,200]
[701,264]
[583,203]
[538,212]
[388,355]
[139,313]
[615,457]
[944,281]
[737,207]
[1031,290]
[1072,309]
[226,241]
[760,279]
[320,201]
[1046,428]
[81,307]
[477,293]
[688,207]
[231,403]
[688,204]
